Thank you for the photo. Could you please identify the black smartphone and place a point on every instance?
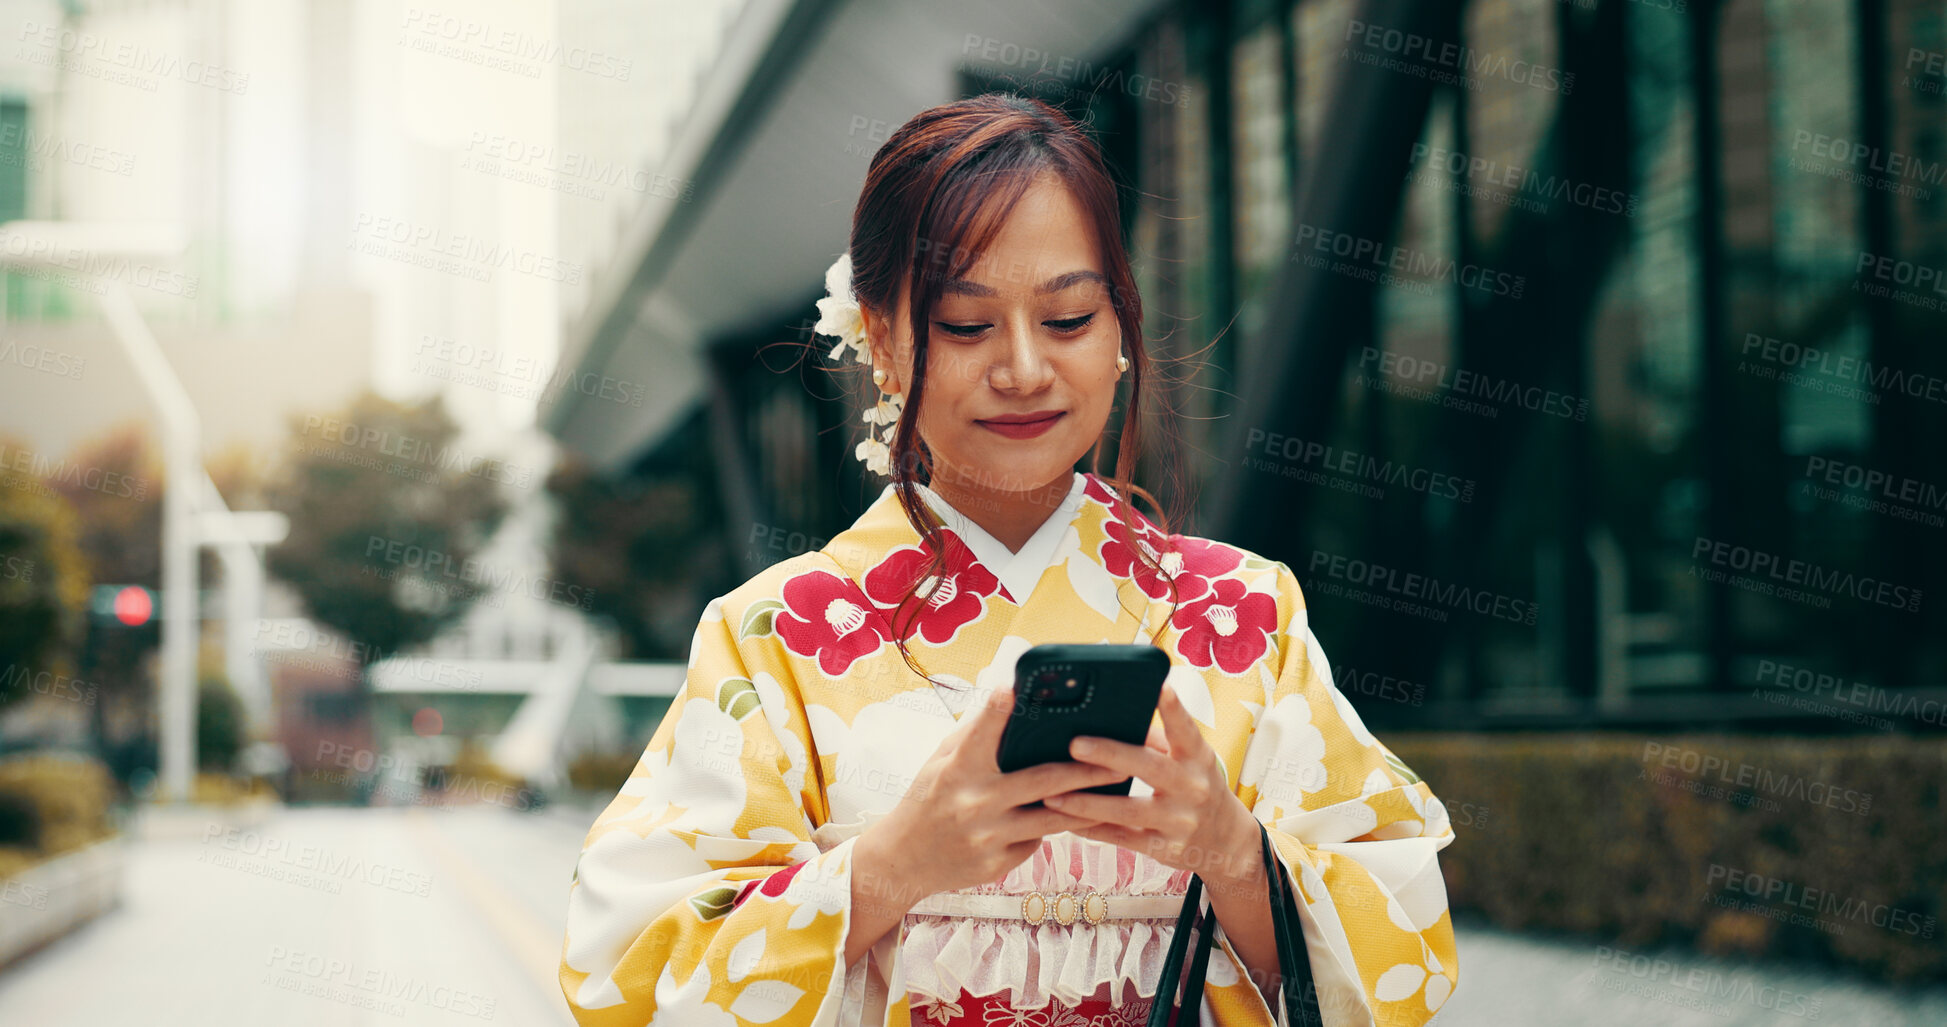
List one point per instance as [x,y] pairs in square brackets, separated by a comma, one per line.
[1063,690]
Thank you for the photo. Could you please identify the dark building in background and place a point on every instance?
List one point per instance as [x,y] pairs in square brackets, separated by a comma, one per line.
[1584,359]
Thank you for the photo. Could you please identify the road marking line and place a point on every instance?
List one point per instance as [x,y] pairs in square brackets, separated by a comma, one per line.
[534,944]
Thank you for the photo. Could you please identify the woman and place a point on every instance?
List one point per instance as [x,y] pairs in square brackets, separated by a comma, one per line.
[818,832]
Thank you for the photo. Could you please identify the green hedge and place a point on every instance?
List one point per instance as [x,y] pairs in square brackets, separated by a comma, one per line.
[1633,840]
[62,800]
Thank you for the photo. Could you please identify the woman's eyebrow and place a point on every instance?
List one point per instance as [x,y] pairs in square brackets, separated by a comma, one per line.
[963,287]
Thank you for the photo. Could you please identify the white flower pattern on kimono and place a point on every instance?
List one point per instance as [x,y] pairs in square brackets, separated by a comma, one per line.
[999,674]
[1405,980]
[879,734]
[758,1004]
[1193,688]
[1091,582]
[689,765]
[684,1005]
[774,705]
[1298,769]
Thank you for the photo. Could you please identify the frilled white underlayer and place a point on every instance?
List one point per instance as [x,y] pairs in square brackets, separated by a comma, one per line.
[1030,965]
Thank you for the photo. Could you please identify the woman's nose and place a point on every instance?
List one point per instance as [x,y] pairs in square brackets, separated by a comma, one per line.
[1021,365]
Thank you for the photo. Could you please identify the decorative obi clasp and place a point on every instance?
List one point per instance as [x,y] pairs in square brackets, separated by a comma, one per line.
[1063,907]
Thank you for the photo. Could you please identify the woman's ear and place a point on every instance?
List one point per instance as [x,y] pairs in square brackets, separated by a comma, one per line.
[878,343]
[873,331]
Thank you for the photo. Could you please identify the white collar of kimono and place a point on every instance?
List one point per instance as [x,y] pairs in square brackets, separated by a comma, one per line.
[1018,572]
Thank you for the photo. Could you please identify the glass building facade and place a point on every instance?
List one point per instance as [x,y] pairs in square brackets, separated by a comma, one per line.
[1586,360]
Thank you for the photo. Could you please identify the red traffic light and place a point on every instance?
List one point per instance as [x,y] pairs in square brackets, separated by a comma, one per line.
[133,606]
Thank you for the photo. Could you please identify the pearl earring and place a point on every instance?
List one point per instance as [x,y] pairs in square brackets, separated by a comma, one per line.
[1121,363]
[879,376]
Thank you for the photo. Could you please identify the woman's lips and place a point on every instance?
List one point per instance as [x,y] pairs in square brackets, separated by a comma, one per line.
[1022,429]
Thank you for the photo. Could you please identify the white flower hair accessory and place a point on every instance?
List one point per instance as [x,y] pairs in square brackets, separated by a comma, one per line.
[839,316]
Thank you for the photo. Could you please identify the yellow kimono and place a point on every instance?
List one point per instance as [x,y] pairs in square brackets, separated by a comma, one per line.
[715,888]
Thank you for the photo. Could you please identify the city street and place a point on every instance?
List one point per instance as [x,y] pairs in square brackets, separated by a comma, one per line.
[428,916]
[1498,423]
[1511,980]
[322,916]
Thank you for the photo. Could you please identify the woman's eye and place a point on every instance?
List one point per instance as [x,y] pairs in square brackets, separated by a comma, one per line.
[1066,326]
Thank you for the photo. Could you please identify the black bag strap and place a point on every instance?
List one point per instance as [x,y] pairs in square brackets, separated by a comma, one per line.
[1294,963]
[1297,990]
[1193,988]
[1165,1001]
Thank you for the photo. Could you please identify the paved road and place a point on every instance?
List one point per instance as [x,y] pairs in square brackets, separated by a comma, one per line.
[321,917]
[1510,980]
[413,916]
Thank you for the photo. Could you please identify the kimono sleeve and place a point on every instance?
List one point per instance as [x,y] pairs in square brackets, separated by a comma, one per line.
[699,896]
[1357,831]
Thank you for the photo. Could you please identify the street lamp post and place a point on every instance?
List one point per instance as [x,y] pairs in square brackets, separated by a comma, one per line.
[193,513]
[181,466]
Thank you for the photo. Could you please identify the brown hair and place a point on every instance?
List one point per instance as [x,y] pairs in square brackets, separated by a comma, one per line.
[934,197]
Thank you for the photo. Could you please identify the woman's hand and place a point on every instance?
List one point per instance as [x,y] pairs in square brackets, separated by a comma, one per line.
[961,823]
[1190,821]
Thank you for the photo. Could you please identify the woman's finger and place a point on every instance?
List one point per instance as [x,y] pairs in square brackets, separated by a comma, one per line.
[1114,834]
[1180,731]
[1027,823]
[1132,760]
[1142,813]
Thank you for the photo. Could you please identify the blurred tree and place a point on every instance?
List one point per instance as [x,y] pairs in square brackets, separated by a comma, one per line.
[388,514]
[631,542]
[116,491]
[43,581]
[239,473]
[114,483]
[219,724]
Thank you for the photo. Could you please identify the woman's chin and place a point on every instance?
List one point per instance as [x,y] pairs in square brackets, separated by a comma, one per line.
[1025,474]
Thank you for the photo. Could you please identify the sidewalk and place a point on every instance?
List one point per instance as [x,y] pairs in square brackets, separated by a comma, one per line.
[325,916]
[1512,980]
[322,917]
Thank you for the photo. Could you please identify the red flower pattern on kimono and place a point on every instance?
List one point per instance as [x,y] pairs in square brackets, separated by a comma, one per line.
[749,888]
[1230,627]
[1100,491]
[946,604]
[775,884]
[828,617]
[994,1011]
[1191,563]
[772,885]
